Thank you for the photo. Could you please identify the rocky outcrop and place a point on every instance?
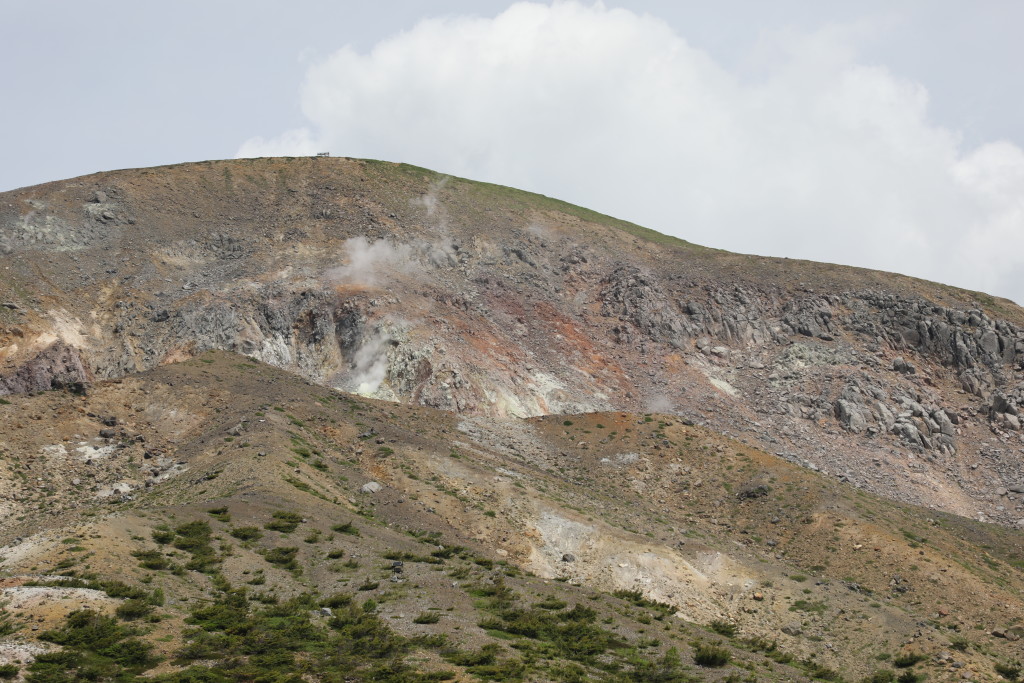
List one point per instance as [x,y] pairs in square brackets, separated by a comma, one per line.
[58,366]
[484,303]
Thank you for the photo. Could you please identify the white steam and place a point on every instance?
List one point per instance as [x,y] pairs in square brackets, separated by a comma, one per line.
[813,155]
[660,403]
[370,363]
[431,201]
[369,264]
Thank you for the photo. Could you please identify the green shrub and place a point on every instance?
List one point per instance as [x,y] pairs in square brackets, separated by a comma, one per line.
[9,671]
[194,538]
[551,603]
[345,528]
[133,609]
[192,535]
[427,618]
[220,514]
[821,672]
[163,536]
[907,660]
[637,598]
[337,600]
[115,588]
[488,654]
[282,557]
[881,676]
[152,559]
[808,606]
[285,522]
[1008,670]
[710,656]
[723,628]
[7,627]
[572,634]
[95,647]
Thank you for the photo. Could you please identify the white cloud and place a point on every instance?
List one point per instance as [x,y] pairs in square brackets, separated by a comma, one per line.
[809,155]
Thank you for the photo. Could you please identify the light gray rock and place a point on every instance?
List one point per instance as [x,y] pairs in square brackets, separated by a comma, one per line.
[851,416]
[902,366]
[945,424]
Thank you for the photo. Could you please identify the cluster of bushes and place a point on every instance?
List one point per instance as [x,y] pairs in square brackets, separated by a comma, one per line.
[284,522]
[282,642]
[192,537]
[95,647]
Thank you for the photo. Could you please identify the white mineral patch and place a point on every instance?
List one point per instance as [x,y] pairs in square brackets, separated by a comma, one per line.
[621,459]
[88,452]
[24,597]
[724,386]
[55,451]
[120,489]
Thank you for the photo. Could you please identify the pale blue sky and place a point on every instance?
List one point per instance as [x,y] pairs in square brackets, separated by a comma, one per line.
[118,83]
[121,83]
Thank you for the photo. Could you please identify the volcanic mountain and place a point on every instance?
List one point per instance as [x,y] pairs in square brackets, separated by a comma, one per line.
[401,284]
[798,468]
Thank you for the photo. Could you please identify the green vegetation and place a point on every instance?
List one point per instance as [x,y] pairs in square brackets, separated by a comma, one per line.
[194,538]
[346,528]
[808,606]
[95,647]
[163,535]
[220,514]
[907,660]
[153,559]
[285,522]
[133,609]
[1008,670]
[710,656]
[570,634]
[427,618]
[7,627]
[282,557]
[246,533]
[724,628]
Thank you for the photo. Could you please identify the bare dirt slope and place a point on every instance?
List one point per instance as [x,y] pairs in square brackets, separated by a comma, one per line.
[676,536]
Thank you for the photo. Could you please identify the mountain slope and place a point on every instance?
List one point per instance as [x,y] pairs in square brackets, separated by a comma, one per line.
[395,282]
[709,542]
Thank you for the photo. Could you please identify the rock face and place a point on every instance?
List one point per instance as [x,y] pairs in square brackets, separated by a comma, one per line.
[389,281]
[57,366]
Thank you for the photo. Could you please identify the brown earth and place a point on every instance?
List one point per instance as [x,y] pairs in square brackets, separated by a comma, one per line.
[583,504]
[394,282]
[813,454]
